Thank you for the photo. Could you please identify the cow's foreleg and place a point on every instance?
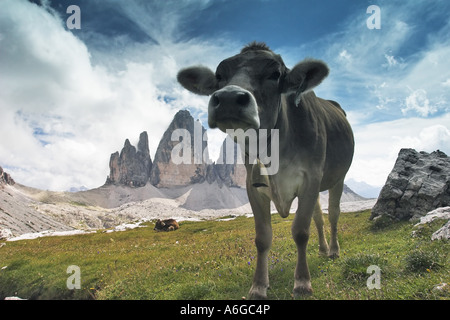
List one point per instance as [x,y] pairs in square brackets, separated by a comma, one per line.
[318,220]
[300,233]
[334,211]
[261,210]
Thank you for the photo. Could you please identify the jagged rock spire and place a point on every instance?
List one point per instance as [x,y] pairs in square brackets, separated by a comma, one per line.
[131,167]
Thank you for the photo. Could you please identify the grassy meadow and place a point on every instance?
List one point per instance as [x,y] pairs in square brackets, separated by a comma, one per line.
[216,260]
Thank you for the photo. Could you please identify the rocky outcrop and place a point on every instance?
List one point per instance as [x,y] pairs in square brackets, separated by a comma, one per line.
[418,183]
[230,172]
[179,158]
[442,233]
[182,157]
[5,178]
[131,167]
[442,213]
[20,214]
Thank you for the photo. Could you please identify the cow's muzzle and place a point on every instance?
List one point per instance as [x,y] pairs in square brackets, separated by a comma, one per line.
[233,107]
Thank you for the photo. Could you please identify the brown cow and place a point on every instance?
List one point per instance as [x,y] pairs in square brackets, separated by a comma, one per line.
[255,90]
[166,225]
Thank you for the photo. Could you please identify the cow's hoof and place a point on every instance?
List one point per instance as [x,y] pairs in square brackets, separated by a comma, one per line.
[302,289]
[323,251]
[334,251]
[333,254]
[258,293]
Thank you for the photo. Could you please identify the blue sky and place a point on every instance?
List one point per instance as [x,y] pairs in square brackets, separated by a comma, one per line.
[69,98]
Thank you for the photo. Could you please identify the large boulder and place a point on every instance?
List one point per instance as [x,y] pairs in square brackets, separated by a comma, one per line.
[418,183]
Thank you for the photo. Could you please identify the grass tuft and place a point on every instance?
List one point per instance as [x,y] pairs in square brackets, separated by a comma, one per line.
[420,261]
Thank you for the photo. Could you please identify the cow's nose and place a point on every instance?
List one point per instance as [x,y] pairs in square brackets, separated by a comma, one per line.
[232,106]
[242,98]
[237,98]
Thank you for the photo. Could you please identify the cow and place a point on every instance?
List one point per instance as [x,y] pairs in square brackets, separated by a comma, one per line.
[166,225]
[255,90]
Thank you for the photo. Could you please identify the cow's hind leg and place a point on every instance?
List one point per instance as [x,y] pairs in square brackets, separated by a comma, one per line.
[334,211]
[318,220]
[263,240]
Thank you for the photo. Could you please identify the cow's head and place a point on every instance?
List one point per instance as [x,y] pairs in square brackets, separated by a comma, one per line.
[246,89]
[159,225]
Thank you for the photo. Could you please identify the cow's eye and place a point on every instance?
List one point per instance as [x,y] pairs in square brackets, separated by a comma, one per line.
[218,77]
[275,75]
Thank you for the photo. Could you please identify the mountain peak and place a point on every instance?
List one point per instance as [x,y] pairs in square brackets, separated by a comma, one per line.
[131,167]
[165,172]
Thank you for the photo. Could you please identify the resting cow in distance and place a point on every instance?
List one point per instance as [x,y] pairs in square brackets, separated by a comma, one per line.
[255,90]
[166,225]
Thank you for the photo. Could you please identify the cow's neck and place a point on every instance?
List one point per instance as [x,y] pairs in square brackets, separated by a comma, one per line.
[283,186]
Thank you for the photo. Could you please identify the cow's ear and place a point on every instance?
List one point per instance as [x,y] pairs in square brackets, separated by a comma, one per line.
[199,80]
[304,77]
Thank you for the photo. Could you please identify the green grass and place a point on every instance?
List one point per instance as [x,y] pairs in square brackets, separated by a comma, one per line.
[216,260]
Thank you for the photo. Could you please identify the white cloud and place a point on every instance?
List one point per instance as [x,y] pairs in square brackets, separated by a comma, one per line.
[164,24]
[378,144]
[446,83]
[417,101]
[64,116]
[391,61]
[430,138]
[375,69]
[345,56]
